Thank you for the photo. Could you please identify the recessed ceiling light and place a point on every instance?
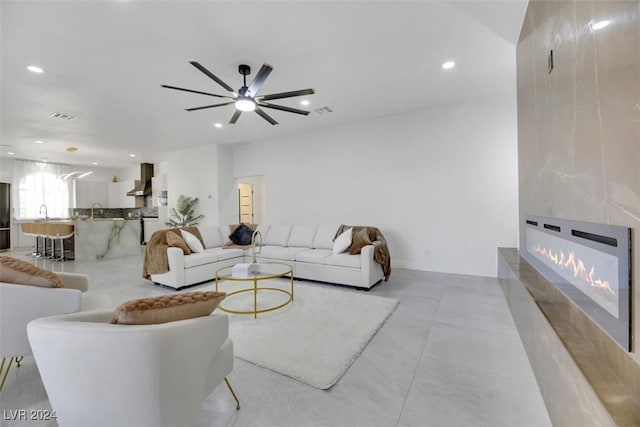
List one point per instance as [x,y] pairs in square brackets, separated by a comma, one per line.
[11,153]
[39,142]
[132,155]
[95,163]
[448,65]
[218,125]
[35,69]
[600,24]
[304,102]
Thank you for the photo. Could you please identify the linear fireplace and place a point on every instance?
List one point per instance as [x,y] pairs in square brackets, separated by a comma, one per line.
[588,262]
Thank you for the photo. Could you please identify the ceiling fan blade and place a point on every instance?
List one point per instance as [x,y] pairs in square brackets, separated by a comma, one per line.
[196,91]
[286,94]
[283,108]
[260,78]
[211,75]
[235,117]
[265,116]
[208,106]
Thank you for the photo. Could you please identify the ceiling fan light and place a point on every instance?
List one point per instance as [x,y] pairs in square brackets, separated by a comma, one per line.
[245,104]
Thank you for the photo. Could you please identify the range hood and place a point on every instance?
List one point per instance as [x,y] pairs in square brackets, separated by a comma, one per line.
[143,187]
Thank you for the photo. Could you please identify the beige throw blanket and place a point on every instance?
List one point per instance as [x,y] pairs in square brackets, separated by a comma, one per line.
[155,254]
[381,253]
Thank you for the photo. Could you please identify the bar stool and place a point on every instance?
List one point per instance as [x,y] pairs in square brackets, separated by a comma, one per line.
[43,233]
[29,229]
[59,232]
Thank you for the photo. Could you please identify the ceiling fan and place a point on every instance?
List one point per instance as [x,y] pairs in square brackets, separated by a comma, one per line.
[246,98]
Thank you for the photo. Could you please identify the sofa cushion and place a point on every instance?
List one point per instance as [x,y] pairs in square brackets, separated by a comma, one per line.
[174,239]
[200,258]
[263,229]
[278,235]
[302,235]
[314,256]
[19,272]
[241,235]
[194,243]
[359,240]
[343,241]
[226,253]
[279,252]
[344,260]
[211,236]
[167,308]
[324,237]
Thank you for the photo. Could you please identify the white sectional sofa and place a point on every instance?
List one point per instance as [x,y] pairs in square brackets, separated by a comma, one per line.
[307,248]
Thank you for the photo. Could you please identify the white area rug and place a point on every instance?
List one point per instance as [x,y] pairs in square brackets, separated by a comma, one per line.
[313,340]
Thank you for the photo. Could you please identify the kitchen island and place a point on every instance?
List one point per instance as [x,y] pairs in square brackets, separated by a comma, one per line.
[106,238]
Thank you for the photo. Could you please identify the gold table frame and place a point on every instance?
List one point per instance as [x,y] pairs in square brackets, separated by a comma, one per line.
[221,274]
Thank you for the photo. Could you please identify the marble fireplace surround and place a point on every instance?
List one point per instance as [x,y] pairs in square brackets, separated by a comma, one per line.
[578,151]
[584,376]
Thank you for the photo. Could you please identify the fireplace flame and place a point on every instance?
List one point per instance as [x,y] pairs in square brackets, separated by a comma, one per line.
[577,267]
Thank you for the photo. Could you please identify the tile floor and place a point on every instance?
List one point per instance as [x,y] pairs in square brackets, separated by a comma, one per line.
[449,355]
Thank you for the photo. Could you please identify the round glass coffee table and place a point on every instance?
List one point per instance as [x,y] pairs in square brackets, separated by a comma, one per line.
[266,271]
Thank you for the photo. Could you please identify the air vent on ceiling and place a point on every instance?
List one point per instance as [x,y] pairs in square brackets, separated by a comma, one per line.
[323,110]
[63,116]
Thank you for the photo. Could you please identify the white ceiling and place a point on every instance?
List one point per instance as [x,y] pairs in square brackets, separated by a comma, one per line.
[104,63]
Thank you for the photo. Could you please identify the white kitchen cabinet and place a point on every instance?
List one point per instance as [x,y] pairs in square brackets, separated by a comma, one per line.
[90,192]
[118,194]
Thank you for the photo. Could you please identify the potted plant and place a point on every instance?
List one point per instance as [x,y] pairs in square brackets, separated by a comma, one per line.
[183,214]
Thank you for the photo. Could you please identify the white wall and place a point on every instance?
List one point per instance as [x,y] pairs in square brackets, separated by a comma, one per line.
[194,173]
[441,183]
[227,187]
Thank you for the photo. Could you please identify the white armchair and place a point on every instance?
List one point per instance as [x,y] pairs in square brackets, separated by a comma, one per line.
[101,374]
[20,304]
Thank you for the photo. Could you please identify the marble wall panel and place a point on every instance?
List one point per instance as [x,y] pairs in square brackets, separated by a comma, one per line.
[579,158]
[579,126]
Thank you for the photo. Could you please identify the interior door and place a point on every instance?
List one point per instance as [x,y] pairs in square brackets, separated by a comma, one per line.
[245,203]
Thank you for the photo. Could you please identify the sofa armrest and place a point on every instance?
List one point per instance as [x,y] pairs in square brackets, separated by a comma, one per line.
[75,281]
[370,271]
[175,276]
[175,257]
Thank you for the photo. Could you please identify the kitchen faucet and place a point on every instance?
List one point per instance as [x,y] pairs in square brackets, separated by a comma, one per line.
[94,205]
[46,217]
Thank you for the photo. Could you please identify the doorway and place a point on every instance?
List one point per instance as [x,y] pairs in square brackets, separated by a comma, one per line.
[245,203]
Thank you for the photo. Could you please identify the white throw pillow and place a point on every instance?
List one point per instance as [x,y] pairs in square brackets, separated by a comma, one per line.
[193,242]
[341,243]
[225,230]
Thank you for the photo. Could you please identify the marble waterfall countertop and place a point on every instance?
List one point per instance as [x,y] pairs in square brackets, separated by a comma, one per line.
[106,238]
